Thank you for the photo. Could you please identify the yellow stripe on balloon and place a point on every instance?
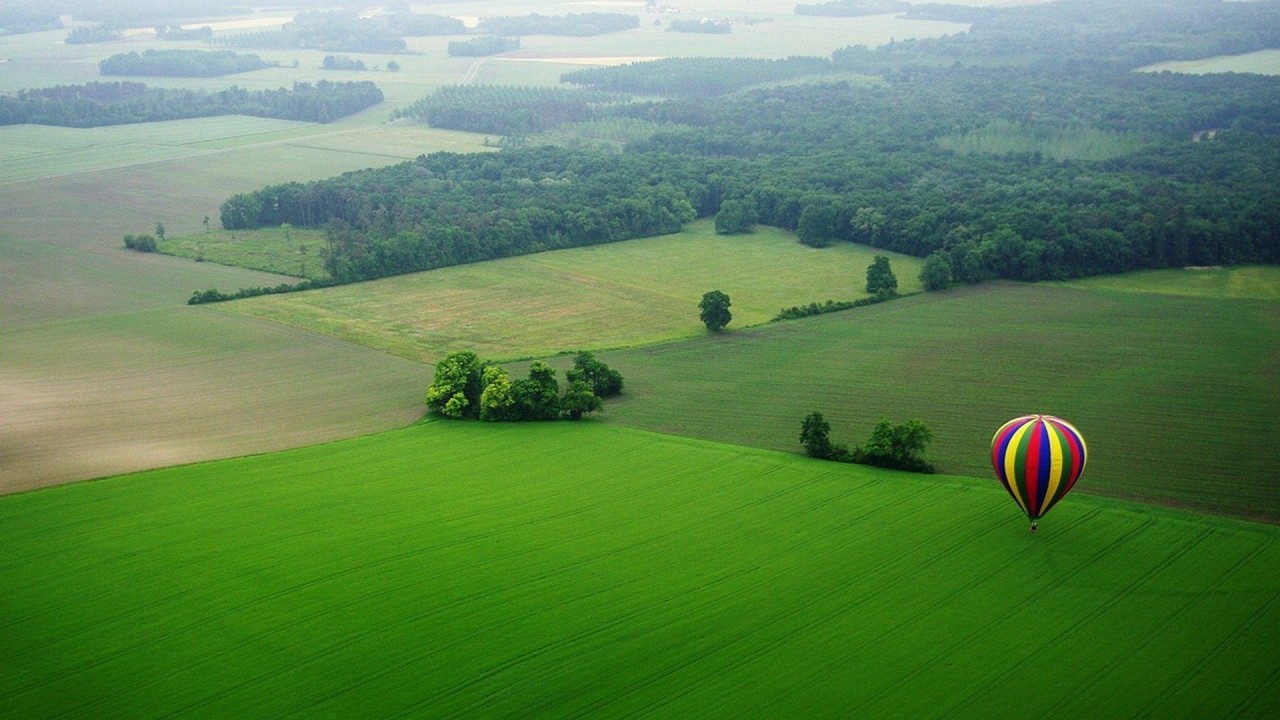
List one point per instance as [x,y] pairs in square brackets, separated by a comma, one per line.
[1011,464]
[1056,460]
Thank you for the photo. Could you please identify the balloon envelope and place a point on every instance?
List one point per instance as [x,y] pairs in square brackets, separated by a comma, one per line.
[1038,459]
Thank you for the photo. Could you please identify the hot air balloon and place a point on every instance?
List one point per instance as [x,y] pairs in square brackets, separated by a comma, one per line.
[1038,459]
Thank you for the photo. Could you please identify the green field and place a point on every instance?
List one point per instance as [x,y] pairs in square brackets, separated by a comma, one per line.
[1176,395]
[632,293]
[574,570]
[1250,282]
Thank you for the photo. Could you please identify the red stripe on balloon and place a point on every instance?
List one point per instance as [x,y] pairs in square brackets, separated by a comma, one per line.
[1031,472]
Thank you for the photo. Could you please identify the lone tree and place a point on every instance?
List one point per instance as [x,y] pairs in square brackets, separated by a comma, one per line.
[815,434]
[715,310]
[880,278]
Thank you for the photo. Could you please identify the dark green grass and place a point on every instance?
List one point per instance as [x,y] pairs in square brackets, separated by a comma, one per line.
[1176,396]
[581,570]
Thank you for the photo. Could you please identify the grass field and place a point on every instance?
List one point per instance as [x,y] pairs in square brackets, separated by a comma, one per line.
[1262,62]
[578,570]
[1176,395]
[287,251]
[631,293]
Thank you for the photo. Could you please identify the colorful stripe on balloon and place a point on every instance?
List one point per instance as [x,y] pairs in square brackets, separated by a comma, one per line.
[1038,459]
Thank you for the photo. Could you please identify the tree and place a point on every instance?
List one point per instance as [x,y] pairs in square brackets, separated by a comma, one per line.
[538,396]
[814,435]
[603,380]
[715,310]
[393,66]
[496,401]
[880,278]
[455,390]
[936,272]
[819,225]
[736,216]
[160,231]
[579,399]
[896,446]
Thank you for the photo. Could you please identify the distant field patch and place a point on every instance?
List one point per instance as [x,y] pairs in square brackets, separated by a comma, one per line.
[1176,396]
[577,570]
[1255,282]
[112,393]
[1262,62]
[630,293]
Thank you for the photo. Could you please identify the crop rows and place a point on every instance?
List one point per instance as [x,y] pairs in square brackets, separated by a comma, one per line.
[452,570]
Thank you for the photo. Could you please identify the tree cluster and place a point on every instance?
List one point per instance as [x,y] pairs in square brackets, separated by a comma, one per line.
[483,45]
[116,103]
[572,25]
[897,447]
[464,386]
[342,62]
[327,30]
[141,243]
[180,63]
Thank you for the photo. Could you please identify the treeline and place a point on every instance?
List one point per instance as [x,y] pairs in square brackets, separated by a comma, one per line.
[573,24]
[696,76]
[448,209]
[482,46]
[117,103]
[181,63]
[18,19]
[506,110]
[705,26]
[92,34]
[853,8]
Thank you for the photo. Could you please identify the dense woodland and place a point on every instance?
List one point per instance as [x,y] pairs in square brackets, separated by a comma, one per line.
[118,103]
[180,63]
[997,169]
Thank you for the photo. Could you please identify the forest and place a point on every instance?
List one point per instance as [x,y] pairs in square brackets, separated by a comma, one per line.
[117,103]
[992,171]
